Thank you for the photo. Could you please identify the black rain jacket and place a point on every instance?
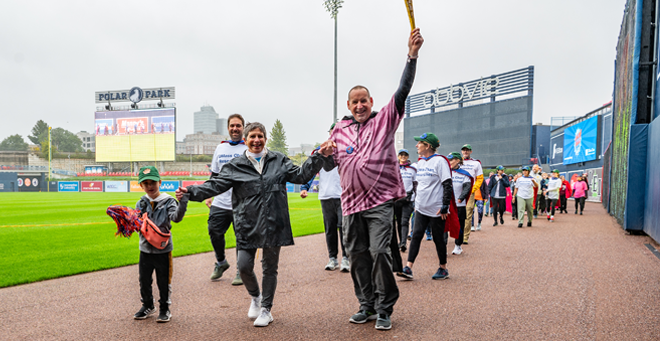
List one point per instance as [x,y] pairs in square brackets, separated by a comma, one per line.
[259,201]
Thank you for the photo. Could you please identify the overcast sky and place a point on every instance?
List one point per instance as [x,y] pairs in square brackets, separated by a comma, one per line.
[272,60]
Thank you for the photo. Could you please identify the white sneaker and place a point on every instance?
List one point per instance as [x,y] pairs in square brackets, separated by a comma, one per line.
[457,250]
[332,264]
[345,265]
[255,307]
[479,227]
[472,229]
[264,318]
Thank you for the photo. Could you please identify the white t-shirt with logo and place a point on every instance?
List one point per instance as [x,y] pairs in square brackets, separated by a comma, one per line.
[525,187]
[408,175]
[473,167]
[431,173]
[224,153]
[457,180]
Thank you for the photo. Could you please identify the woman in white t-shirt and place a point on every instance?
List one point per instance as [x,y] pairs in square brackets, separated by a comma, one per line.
[524,195]
[434,193]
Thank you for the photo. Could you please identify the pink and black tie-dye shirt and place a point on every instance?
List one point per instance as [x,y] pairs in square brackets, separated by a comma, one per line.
[368,166]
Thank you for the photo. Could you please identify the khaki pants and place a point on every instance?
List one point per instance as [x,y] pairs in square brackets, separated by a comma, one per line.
[525,205]
[469,211]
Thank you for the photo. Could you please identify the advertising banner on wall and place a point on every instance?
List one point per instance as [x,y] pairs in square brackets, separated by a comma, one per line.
[52,186]
[116,186]
[580,141]
[91,186]
[135,187]
[169,186]
[68,186]
[187,183]
[28,183]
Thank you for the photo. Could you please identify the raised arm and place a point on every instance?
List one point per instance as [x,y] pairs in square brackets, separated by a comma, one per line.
[415,42]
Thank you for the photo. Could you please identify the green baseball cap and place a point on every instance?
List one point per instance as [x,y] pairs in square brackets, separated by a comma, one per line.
[500,167]
[556,171]
[429,138]
[332,127]
[148,173]
[466,146]
[526,168]
[455,155]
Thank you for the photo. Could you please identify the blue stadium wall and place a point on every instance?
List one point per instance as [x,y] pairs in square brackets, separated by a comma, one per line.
[632,169]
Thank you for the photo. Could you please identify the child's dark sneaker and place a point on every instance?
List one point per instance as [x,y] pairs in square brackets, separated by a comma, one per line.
[164,316]
[144,312]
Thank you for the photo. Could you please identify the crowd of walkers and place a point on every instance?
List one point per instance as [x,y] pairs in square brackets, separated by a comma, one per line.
[370,212]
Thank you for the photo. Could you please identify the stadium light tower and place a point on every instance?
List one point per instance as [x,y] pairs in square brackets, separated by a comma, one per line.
[333,7]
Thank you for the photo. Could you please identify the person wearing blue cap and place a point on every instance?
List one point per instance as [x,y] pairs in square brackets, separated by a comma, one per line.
[523,195]
[497,188]
[403,207]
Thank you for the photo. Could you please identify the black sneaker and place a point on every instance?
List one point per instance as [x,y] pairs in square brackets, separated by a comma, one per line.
[363,316]
[406,273]
[144,312]
[580,212]
[383,322]
[520,225]
[164,316]
[529,224]
[441,274]
[495,224]
[403,248]
[501,220]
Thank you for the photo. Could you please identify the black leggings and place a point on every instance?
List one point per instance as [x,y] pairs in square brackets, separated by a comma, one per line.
[551,203]
[462,214]
[579,201]
[437,225]
[499,206]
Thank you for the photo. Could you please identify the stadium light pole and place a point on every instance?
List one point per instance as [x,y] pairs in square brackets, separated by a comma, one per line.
[50,155]
[333,7]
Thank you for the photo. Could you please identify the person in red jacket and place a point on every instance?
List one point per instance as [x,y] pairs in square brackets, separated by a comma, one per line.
[564,192]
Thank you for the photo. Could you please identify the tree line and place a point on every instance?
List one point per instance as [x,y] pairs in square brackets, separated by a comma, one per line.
[62,139]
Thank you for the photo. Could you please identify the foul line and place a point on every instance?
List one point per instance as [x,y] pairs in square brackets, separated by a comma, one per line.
[79,224]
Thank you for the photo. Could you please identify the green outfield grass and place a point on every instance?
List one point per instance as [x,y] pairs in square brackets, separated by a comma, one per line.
[50,235]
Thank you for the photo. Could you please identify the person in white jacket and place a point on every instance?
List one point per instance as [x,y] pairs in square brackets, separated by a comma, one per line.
[552,194]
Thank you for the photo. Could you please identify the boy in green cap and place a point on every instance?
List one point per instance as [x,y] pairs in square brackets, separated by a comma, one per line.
[161,209]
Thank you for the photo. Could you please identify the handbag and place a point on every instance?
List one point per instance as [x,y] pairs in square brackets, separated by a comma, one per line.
[153,234]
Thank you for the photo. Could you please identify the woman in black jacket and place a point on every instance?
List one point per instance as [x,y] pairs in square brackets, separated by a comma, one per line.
[497,188]
[261,210]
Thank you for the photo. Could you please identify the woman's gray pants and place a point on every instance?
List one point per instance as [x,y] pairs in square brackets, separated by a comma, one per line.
[269,264]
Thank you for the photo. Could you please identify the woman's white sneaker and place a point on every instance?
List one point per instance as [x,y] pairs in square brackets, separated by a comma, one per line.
[457,250]
[255,307]
[265,318]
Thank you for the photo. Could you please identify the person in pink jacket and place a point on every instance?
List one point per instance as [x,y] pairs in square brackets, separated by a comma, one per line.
[579,194]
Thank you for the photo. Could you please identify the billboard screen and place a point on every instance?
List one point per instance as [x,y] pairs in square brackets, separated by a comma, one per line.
[135,135]
[580,141]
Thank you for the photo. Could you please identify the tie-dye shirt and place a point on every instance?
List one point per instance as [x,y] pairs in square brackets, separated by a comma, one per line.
[370,172]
